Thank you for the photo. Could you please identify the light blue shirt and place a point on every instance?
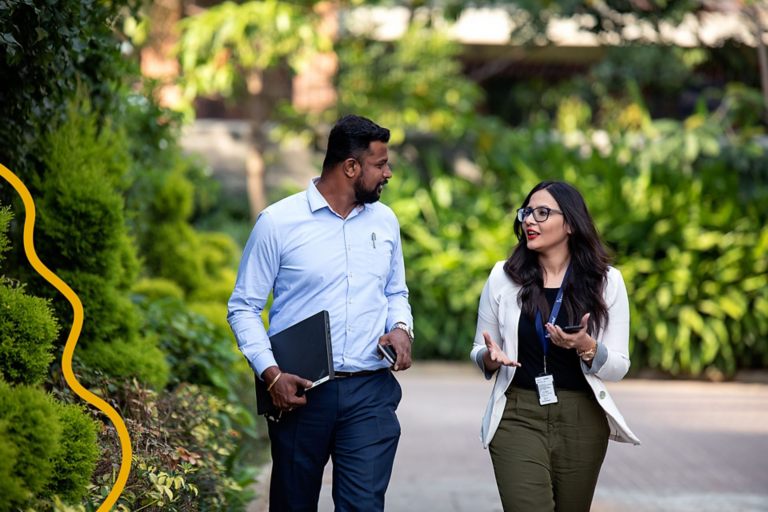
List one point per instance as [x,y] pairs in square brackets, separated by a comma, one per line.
[313,259]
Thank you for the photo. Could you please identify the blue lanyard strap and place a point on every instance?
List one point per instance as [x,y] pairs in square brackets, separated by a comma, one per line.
[544,337]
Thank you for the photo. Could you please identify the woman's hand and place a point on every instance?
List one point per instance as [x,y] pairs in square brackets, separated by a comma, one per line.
[580,340]
[495,357]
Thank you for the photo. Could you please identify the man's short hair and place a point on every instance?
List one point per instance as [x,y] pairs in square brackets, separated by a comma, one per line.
[350,137]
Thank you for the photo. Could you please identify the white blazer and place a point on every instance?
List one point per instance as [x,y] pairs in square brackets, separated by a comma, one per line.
[499,315]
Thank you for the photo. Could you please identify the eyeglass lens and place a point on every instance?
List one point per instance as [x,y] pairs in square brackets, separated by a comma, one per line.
[539,214]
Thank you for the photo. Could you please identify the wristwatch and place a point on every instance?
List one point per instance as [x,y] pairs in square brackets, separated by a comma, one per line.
[404,326]
[589,354]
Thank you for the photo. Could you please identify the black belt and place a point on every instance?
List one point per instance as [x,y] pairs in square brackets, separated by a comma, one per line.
[344,375]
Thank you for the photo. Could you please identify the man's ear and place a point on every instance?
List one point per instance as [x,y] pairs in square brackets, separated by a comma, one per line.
[349,167]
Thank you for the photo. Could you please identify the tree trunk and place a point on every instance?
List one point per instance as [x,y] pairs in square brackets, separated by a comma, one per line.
[265,90]
[254,168]
[762,55]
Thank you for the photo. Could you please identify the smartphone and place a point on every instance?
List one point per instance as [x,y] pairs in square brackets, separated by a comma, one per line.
[388,353]
[570,329]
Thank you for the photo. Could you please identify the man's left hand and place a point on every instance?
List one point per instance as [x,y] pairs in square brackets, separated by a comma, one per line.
[400,341]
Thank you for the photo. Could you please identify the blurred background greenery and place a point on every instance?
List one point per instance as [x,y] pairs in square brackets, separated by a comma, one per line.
[666,141]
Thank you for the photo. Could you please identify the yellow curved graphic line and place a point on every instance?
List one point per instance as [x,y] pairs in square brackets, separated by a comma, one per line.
[74,334]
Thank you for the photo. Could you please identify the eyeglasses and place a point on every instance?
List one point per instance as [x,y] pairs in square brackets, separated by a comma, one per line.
[540,214]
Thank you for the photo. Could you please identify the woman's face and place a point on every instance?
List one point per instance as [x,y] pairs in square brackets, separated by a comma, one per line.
[545,235]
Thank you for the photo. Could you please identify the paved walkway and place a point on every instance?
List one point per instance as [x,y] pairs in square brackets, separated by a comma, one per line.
[705,447]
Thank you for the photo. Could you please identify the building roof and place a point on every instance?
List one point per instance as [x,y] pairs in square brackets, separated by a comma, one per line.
[494,26]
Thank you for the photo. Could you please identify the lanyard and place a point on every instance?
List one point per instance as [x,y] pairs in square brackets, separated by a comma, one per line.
[544,338]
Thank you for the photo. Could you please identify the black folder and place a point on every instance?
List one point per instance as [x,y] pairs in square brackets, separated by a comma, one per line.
[303,349]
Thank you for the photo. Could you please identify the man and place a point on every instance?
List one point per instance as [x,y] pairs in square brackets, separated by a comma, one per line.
[331,247]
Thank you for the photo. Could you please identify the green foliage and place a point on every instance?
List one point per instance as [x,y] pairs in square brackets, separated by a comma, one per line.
[104,172]
[167,191]
[607,17]
[12,489]
[172,251]
[31,426]
[5,219]
[197,351]
[184,447]
[81,209]
[454,231]
[220,252]
[200,263]
[47,51]
[82,233]
[109,312]
[27,327]
[139,358]
[217,45]
[27,333]
[391,84]
[153,289]
[682,205]
[75,458]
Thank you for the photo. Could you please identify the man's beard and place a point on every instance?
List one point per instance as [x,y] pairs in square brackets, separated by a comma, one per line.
[363,196]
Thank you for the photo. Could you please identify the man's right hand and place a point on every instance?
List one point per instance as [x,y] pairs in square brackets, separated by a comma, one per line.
[284,390]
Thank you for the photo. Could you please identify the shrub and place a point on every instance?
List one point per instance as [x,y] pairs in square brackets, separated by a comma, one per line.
[81,222]
[12,488]
[197,351]
[216,313]
[109,313]
[31,425]
[139,358]
[5,219]
[27,333]
[81,234]
[220,252]
[76,455]
[70,45]
[153,289]
[172,251]
[683,205]
[183,443]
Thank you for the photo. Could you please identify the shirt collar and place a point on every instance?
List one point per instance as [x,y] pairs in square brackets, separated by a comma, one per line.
[315,198]
[318,202]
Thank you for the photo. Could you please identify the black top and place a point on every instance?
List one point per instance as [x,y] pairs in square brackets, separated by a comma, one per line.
[563,364]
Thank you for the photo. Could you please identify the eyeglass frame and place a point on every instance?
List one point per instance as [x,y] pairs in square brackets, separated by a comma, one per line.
[523,213]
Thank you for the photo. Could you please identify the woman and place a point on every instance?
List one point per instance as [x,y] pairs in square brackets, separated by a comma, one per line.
[550,416]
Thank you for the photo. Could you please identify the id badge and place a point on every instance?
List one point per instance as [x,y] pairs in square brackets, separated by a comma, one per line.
[545,387]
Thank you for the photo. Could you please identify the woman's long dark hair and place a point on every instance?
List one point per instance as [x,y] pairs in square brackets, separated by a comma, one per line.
[589,263]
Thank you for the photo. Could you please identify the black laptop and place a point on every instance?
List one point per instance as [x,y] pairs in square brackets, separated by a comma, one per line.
[303,349]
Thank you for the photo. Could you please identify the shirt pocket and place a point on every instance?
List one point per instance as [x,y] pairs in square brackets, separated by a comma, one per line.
[378,255]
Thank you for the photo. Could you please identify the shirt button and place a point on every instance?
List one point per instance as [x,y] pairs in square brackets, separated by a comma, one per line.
[602,395]
[350,301]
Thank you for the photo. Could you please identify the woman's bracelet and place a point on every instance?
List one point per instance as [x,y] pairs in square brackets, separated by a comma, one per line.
[271,384]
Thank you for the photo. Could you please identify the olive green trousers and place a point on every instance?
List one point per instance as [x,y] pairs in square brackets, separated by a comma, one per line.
[547,458]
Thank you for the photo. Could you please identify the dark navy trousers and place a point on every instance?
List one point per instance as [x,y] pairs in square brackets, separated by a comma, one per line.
[351,420]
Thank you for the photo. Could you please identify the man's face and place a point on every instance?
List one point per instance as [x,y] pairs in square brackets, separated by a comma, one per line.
[374,173]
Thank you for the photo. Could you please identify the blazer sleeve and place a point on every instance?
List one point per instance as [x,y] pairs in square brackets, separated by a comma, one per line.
[615,336]
[488,321]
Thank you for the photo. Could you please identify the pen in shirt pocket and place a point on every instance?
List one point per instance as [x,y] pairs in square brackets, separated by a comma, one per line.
[373,239]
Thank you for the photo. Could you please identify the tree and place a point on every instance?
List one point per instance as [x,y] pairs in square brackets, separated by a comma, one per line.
[246,52]
[617,19]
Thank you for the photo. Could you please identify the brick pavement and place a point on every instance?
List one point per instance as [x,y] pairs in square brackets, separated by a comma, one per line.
[705,447]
